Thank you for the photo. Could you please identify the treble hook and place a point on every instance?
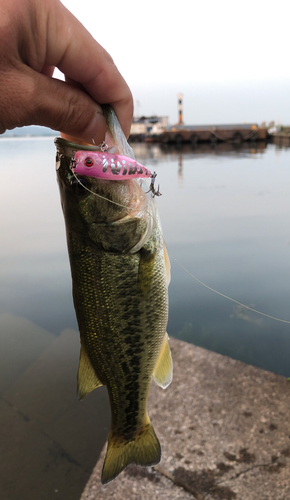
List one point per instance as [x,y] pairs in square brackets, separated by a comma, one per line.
[103,146]
[152,188]
[73,163]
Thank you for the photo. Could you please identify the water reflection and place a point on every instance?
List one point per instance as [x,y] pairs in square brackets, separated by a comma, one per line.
[227,222]
[225,215]
[162,152]
[180,170]
[281,142]
[49,439]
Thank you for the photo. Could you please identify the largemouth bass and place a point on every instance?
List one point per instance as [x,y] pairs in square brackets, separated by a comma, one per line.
[120,273]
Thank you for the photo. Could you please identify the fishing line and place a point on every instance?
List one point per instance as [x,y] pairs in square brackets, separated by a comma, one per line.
[181,265]
[226,296]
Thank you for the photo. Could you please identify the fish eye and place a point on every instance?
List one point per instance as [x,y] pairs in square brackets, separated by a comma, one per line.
[89,162]
[80,186]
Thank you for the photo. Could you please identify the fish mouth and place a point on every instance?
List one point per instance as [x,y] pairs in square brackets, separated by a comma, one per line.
[68,148]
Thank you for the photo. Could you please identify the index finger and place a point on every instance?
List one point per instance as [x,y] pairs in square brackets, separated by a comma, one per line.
[80,57]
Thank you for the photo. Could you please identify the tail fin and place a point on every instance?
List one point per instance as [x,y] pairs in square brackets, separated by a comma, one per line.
[143,449]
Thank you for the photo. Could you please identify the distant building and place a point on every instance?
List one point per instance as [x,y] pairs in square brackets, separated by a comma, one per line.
[148,126]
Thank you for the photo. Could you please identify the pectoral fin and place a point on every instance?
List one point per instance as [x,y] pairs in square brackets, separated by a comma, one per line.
[87,378]
[163,370]
[146,270]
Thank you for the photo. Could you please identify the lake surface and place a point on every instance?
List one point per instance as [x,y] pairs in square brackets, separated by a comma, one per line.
[226,218]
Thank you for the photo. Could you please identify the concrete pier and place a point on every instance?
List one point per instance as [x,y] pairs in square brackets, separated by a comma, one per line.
[224,429]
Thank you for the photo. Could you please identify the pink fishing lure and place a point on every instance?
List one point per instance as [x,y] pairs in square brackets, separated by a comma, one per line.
[104,165]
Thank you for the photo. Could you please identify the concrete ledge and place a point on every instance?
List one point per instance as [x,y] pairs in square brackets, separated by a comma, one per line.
[224,429]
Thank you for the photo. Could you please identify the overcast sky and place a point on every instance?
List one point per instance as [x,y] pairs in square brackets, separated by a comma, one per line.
[229,59]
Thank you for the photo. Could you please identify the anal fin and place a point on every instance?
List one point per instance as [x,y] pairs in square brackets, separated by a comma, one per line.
[163,370]
[87,378]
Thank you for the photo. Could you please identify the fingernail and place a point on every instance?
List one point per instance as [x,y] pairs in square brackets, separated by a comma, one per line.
[96,129]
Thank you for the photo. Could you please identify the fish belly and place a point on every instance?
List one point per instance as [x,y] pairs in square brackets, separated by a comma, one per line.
[121,306]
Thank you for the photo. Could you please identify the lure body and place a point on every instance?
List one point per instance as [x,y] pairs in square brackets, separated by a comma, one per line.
[104,165]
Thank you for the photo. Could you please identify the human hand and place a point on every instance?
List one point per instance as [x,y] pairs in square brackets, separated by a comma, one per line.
[35,37]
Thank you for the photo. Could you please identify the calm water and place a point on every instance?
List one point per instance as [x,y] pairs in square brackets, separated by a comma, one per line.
[225,215]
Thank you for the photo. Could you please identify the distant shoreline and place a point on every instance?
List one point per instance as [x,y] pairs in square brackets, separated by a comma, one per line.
[26,138]
[29,131]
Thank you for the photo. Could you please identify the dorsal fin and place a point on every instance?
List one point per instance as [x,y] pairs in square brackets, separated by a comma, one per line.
[87,378]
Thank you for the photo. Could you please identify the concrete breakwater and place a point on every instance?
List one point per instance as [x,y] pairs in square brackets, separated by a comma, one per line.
[195,134]
[214,133]
[224,430]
